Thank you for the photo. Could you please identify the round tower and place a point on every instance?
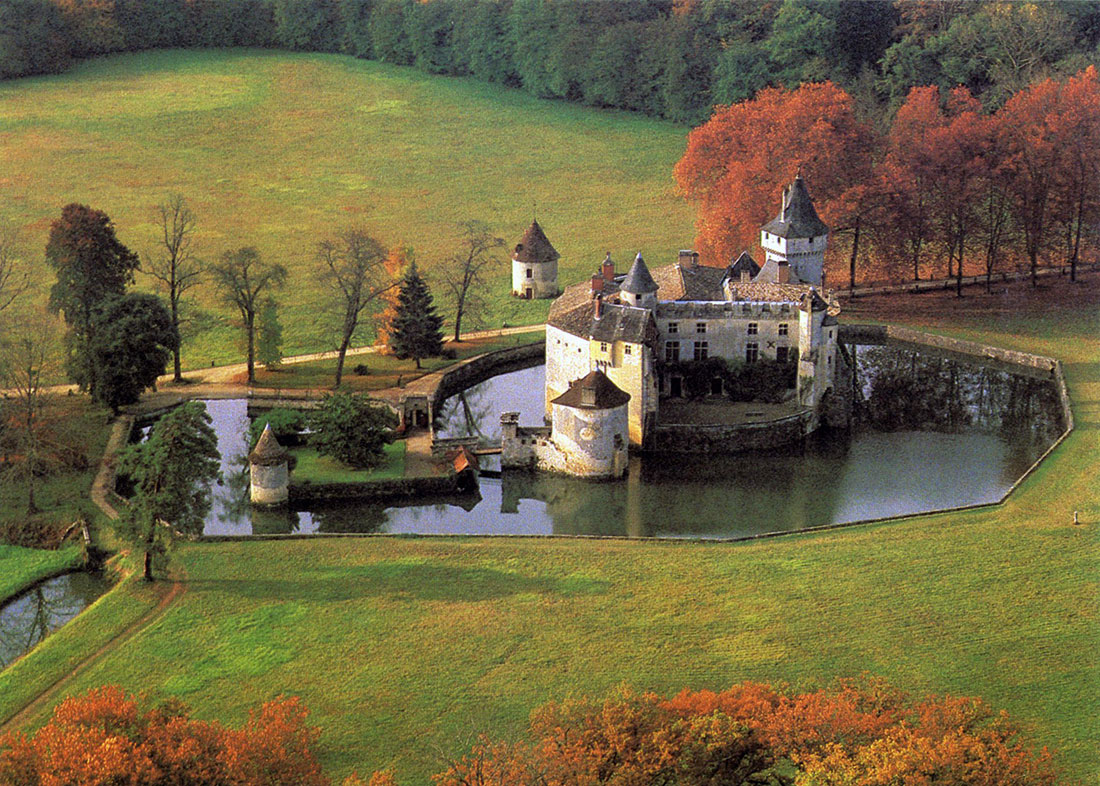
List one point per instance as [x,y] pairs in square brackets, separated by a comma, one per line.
[268,474]
[589,427]
[797,236]
[534,266]
[638,288]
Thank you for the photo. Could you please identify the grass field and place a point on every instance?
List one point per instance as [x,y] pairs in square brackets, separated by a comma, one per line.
[20,568]
[314,468]
[277,150]
[405,647]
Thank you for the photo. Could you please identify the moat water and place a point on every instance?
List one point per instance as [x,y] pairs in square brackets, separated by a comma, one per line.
[930,433]
[28,618]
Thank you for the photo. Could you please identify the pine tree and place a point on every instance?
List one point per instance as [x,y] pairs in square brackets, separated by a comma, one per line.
[416,328]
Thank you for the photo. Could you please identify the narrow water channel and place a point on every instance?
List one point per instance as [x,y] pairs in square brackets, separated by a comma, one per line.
[929,433]
[33,615]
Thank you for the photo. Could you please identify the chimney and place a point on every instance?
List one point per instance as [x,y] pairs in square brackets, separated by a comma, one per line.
[607,269]
[746,276]
[597,312]
[784,272]
[695,259]
[597,284]
[684,258]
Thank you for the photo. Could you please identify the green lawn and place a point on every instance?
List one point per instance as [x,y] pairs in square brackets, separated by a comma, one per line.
[277,150]
[313,468]
[20,568]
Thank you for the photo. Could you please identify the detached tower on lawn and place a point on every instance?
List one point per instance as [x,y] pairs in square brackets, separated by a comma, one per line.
[534,266]
[268,473]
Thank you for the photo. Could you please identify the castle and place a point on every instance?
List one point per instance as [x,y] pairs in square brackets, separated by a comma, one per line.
[613,343]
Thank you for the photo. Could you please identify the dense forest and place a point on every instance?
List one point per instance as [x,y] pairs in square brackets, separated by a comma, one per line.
[666,58]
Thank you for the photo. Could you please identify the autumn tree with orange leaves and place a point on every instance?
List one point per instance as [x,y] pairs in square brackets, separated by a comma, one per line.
[396,263]
[737,163]
[105,737]
[857,734]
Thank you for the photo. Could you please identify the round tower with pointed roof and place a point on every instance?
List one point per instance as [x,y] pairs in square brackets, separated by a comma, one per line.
[797,236]
[268,472]
[534,266]
[638,288]
[589,429]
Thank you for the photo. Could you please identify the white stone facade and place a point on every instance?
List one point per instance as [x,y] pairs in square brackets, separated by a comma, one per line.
[535,280]
[269,485]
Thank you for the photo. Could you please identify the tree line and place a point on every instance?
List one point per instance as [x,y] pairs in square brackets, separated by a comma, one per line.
[948,187]
[666,58]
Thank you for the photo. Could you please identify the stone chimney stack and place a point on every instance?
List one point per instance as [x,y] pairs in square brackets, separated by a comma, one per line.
[597,310]
[607,268]
[597,284]
[688,258]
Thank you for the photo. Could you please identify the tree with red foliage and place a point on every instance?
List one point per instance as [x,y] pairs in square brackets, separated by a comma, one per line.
[737,163]
[858,734]
[105,737]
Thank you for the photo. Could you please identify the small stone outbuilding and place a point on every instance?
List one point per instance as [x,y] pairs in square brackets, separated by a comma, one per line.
[535,266]
[269,474]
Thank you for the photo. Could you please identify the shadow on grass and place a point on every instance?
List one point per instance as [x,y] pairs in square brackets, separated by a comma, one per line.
[421,582]
[1082,373]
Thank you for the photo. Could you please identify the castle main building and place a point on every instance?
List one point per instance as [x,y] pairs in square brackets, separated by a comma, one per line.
[621,326]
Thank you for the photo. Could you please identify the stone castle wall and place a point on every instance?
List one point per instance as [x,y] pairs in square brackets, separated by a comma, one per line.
[727,438]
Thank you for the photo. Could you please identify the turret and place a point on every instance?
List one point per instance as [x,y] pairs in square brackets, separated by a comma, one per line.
[534,265]
[796,236]
[638,288]
[268,473]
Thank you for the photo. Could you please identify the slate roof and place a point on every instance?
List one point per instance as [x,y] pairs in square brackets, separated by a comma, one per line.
[744,263]
[767,292]
[638,281]
[701,283]
[604,394]
[813,301]
[797,217]
[268,452]
[534,246]
[622,323]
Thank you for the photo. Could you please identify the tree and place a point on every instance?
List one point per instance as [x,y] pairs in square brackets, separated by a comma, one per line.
[354,269]
[351,428]
[134,340]
[397,264]
[105,736]
[416,327]
[92,267]
[242,278]
[170,471]
[269,335]
[800,44]
[13,274]
[29,349]
[462,271]
[174,267]
[737,163]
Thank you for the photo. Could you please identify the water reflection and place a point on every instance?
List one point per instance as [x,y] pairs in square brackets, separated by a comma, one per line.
[929,432]
[32,616]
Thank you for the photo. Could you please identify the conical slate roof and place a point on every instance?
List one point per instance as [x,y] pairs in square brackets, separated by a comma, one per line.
[534,247]
[594,391]
[268,452]
[797,217]
[638,281]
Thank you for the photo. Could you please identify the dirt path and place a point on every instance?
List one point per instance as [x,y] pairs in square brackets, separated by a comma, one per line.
[170,592]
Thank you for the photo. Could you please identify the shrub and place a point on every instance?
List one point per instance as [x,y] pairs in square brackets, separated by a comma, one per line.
[287,425]
[353,429]
[361,369]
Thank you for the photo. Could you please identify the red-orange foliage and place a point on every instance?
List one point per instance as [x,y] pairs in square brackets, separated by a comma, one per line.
[397,262]
[855,734]
[737,163]
[103,737]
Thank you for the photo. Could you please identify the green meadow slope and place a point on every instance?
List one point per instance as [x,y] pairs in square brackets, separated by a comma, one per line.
[405,647]
[278,150]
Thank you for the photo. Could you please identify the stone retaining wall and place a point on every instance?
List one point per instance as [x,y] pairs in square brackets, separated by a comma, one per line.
[698,438]
[480,368]
[399,488]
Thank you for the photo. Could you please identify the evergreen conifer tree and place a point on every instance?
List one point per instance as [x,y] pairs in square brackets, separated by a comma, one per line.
[416,329]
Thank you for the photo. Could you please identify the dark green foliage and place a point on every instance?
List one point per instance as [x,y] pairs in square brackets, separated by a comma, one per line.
[429,28]
[765,380]
[482,47]
[355,17]
[287,425]
[33,39]
[351,428]
[308,25]
[416,330]
[170,473]
[387,32]
[133,343]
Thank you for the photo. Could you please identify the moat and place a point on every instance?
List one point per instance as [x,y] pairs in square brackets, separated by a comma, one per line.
[930,433]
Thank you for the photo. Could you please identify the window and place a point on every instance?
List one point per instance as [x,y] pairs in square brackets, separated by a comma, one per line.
[603,346]
[700,327]
[672,351]
[529,273]
[781,354]
[754,328]
[700,350]
[716,386]
[783,328]
[752,352]
[673,327]
[627,349]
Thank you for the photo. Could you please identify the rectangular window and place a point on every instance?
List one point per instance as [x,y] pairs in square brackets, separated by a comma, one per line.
[781,354]
[627,349]
[783,328]
[752,352]
[700,350]
[672,351]
[603,347]
[529,272]
[754,328]
[673,327]
[700,327]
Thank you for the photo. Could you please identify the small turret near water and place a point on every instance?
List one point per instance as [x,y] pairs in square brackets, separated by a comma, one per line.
[268,472]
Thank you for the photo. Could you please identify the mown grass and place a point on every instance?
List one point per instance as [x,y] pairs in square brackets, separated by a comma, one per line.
[20,568]
[279,150]
[382,371]
[404,648]
[314,468]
